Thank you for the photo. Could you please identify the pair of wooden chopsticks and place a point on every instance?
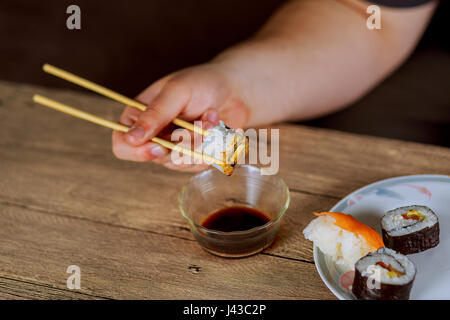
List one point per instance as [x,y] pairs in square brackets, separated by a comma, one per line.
[112,125]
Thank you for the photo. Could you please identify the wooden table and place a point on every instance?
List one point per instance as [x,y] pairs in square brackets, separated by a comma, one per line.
[65,200]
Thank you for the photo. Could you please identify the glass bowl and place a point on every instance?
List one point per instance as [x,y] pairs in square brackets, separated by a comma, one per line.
[210,191]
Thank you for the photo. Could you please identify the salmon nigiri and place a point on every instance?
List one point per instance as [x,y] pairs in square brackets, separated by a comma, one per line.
[342,237]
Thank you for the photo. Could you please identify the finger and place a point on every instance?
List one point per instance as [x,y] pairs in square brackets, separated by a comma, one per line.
[206,125]
[210,118]
[160,112]
[146,152]
[189,140]
[234,114]
[129,116]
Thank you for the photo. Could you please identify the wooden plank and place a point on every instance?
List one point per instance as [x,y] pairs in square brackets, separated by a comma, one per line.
[58,167]
[74,167]
[13,289]
[313,160]
[79,182]
[48,183]
[130,264]
[334,163]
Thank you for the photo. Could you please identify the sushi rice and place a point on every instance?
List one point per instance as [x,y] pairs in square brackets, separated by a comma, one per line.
[343,246]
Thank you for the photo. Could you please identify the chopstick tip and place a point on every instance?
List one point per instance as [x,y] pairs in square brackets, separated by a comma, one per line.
[46,66]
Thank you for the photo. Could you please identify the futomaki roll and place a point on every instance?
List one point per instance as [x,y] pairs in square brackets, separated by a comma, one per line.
[383,275]
[410,229]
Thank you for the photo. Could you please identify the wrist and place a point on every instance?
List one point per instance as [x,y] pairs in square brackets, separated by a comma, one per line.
[249,69]
[236,67]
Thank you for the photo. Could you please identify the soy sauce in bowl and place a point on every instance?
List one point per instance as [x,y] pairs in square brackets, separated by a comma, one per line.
[235,216]
[236,231]
[235,219]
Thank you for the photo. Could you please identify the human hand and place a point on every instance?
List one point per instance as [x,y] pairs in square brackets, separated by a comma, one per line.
[202,92]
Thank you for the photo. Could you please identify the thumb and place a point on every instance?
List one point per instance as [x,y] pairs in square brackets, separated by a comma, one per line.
[235,115]
[160,112]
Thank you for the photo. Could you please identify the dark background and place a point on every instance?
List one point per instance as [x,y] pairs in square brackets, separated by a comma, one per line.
[126,45]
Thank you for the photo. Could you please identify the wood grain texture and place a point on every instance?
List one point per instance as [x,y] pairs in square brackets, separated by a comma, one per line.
[129,264]
[15,289]
[65,199]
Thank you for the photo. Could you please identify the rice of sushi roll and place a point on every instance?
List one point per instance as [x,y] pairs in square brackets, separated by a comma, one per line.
[226,144]
[410,229]
[342,237]
[383,275]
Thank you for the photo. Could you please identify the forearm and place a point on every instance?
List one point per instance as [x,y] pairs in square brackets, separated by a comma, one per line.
[315,56]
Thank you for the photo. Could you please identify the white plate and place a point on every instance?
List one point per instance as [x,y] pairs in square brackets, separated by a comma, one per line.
[369,204]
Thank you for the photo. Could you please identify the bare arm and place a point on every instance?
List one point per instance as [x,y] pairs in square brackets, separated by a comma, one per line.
[311,58]
[316,56]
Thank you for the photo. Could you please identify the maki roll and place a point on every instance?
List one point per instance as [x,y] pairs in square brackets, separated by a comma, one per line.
[226,144]
[383,275]
[410,229]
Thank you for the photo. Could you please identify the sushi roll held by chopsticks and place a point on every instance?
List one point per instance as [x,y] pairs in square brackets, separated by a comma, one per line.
[226,144]
[410,229]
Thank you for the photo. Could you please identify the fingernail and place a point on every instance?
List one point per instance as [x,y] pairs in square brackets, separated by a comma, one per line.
[212,116]
[137,132]
[158,151]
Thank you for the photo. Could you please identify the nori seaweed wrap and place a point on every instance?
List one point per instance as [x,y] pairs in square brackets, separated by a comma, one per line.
[383,275]
[410,229]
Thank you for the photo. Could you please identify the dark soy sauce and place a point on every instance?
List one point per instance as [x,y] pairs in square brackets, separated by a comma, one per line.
[235,219]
